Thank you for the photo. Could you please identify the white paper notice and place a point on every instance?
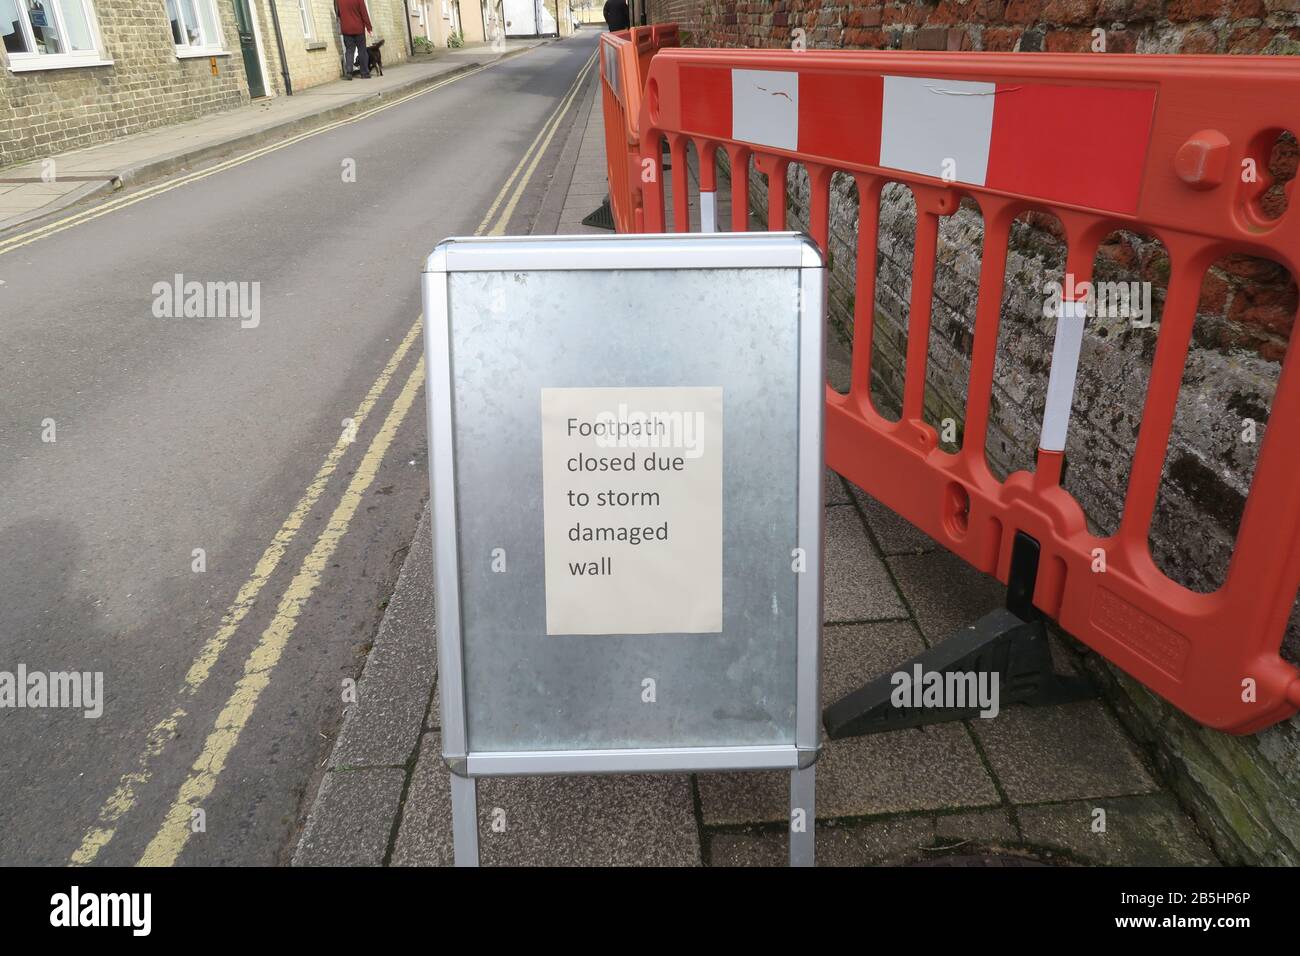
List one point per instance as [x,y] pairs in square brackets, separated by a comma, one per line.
[632,499]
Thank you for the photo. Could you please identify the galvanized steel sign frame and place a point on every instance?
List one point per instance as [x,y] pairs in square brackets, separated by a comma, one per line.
[722,329]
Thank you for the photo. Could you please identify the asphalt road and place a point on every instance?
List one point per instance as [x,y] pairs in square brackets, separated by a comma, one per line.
[174,434]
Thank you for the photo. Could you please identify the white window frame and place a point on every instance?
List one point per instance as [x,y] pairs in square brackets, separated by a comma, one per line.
[209,46]
[308,20]
[35,60]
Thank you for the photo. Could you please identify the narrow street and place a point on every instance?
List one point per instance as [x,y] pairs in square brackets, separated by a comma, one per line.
[220,516]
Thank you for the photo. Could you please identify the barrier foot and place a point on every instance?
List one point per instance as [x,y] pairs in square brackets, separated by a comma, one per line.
[1001,659]
[602,217]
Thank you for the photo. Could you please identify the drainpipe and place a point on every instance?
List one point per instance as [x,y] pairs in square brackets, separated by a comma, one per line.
[410,40]
[279,45]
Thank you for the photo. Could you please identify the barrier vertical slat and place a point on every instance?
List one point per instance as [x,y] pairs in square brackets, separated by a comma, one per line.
[1163,386]
[819,215]
[739,157]
[652,191]
[918,320]
[998,217]
[681,184]
[864,295]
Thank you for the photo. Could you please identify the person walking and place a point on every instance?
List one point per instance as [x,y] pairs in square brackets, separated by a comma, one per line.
[354,24]
[616,15]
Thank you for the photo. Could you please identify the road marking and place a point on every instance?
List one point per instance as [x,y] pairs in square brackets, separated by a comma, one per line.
[172,836]
[103,209]
[124,796]
[548,130]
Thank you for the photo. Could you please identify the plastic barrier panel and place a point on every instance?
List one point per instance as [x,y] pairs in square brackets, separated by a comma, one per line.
[1017,133]
[624,65]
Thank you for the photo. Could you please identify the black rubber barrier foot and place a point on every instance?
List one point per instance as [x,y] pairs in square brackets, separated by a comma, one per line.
[1008,645]
[602,218]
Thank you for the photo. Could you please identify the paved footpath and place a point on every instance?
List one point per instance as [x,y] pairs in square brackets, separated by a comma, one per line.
[1028,781]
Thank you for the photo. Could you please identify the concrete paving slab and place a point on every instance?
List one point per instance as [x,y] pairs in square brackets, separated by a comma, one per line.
[856,654]
[894,534]
[964,597]
[352,818]
[625,820]
[924,768]
[1064,752]
[424,836]
[1150,830]
[383,727]
[833,490]
[896,841]
[857,586]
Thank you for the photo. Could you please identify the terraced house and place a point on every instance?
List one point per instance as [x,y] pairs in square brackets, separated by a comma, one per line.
[78,72]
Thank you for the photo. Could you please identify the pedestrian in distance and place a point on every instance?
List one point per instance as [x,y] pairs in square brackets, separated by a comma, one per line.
[354,24]
[616,15]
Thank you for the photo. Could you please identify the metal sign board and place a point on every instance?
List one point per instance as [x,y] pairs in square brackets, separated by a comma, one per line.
[625,438]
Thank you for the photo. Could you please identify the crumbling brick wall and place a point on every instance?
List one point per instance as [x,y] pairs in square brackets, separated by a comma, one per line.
[1245,791]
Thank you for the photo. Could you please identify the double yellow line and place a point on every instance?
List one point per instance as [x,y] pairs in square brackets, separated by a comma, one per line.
[174,833]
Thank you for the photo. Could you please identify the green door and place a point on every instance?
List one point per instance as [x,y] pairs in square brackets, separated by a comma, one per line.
[248,46]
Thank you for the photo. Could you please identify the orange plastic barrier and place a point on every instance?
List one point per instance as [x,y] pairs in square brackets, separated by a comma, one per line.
[624,65]
[1104,142]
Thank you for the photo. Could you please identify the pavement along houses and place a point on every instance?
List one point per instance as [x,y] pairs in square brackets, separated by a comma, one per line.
[79,72]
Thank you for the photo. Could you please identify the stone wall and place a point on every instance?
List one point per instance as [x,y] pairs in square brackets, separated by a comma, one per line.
[1245,791]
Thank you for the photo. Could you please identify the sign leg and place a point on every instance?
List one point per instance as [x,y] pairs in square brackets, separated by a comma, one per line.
[464,819]
[803,816]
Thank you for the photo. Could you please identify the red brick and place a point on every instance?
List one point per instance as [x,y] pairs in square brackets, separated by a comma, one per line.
[1127,10]
[1183,10]
[1249,39]
[1069,41]
[987,11]
[1254,269]
[1120,41]
[1024,11]
[1000,38]
[931,38]
[1200,41]
[1214,294]
[1070,11]
[1117,250]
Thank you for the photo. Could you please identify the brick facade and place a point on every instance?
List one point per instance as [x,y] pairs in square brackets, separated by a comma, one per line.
[1248,307]
[44,112]
[147,86]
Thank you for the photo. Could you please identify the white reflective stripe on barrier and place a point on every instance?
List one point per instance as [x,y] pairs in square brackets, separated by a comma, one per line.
[1060,383]
[765,107]
[708,211]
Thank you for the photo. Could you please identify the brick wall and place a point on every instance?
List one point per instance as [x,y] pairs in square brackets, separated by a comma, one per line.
[1245,792]
[48,111]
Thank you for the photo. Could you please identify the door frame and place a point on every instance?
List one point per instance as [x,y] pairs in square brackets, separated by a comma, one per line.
[254,11]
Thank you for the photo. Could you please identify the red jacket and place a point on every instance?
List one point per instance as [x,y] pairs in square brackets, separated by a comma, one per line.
[353,18]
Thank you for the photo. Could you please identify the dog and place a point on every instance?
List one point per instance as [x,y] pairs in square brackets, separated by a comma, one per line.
[375,56]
